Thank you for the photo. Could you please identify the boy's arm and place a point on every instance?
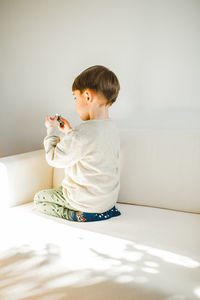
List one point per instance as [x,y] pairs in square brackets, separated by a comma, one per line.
[61,152]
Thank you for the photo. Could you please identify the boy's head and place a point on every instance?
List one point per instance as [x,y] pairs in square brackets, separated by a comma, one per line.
[95,90]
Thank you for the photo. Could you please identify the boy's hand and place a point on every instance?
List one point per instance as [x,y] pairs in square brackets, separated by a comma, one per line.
[66,126]
[52,121]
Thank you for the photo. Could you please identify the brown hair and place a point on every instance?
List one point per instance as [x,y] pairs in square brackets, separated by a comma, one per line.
[100,80]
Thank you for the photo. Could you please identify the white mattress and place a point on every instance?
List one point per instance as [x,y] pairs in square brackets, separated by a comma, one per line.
[146,253]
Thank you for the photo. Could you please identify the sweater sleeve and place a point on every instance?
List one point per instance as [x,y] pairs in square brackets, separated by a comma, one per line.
[61,151]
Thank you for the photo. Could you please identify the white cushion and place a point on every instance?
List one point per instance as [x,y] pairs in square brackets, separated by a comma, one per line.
[146,253]
[22,175]
[158,168]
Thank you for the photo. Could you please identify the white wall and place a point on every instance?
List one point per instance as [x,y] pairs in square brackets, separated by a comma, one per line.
[152,46]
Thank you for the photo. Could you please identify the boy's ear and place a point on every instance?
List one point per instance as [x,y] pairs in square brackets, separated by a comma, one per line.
[89,93]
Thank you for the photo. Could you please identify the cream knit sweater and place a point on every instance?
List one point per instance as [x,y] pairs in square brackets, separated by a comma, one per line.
[89,153]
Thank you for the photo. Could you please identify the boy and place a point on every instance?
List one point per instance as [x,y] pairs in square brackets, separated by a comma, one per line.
[89,153]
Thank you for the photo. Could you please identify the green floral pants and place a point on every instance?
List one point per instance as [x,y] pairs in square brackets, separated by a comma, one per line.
[52,202]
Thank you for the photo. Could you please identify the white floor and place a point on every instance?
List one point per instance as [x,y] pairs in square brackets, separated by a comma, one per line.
[146,253]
